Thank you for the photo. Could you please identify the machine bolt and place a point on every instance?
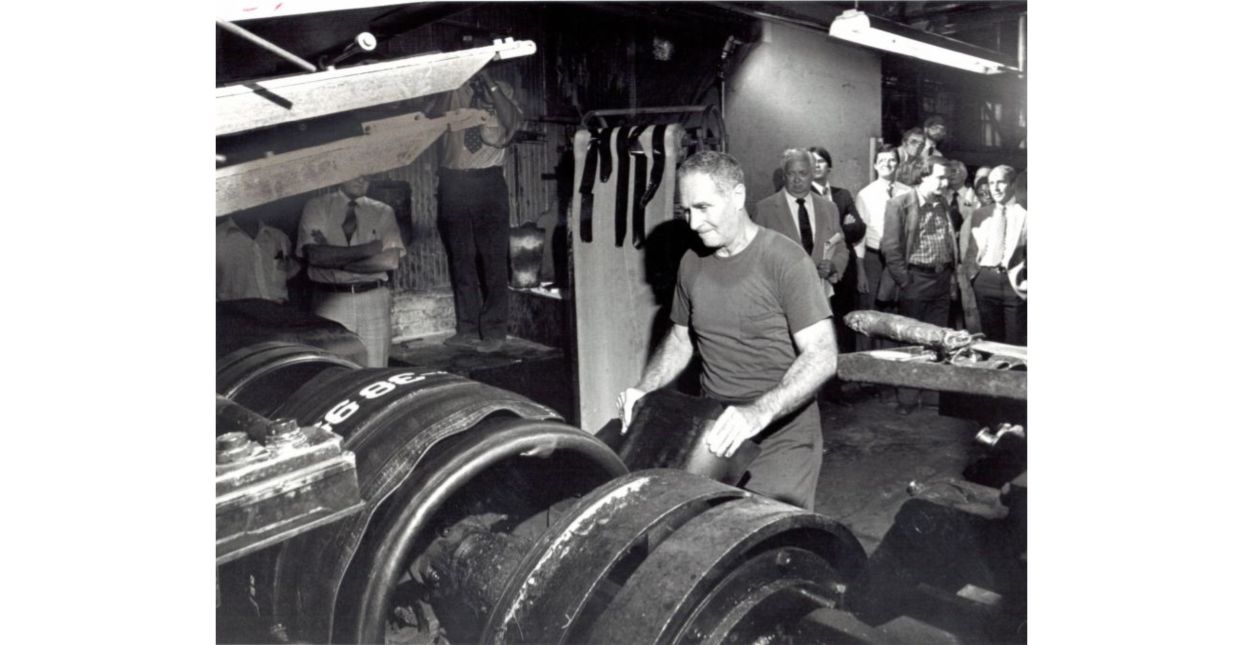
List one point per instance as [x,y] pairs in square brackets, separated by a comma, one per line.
[283,434]
[232,447]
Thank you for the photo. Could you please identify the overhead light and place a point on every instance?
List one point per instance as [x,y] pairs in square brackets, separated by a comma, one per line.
[858,27]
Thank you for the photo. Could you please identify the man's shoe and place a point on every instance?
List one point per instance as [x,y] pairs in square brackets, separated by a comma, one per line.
[490,345]
[904,409]
[462,340]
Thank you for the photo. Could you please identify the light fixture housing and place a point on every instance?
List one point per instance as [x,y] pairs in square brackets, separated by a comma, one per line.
[858,27]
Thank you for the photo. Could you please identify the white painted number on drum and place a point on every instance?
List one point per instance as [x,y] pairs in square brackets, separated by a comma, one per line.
[376,390]
[341,412]
[348,407]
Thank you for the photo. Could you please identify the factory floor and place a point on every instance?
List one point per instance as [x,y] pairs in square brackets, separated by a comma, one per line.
[873,457]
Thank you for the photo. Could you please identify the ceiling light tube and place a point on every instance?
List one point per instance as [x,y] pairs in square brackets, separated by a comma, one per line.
[858,27]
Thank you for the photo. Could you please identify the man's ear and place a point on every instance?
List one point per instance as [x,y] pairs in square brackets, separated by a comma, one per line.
[739,196]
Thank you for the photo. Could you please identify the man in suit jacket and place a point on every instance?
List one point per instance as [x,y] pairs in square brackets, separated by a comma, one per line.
[798,213]
[994,262]
[846,291]
[920,252]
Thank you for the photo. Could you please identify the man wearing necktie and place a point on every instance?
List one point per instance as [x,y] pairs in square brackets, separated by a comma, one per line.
[994,261]
[474,212]
[872,200]
[920,252]
[351,242]
[800,214]
[811,220]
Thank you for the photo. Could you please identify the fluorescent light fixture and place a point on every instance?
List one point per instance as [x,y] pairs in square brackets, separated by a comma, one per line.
[858,27]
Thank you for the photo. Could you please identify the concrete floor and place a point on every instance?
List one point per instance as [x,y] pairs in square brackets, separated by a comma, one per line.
[871,454]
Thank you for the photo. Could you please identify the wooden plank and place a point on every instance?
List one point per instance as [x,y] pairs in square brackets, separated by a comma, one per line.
[615,304]
[255,9]
[259,104]
[387,144]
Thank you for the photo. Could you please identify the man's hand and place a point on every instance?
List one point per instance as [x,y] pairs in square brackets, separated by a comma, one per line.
[735,425]
[827,271]
[850,219]
[317,235]
[625,406]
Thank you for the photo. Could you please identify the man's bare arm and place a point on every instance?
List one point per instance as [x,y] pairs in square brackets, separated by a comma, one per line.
[816,363]
[670,359]
[506,112]
[337,257]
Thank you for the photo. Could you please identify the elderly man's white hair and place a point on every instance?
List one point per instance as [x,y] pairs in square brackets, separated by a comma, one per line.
[791,154]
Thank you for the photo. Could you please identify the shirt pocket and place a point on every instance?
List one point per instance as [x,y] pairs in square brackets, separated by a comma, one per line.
[760,322]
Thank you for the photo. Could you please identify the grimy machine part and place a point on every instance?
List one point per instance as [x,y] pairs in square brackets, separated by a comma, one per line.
[486,519]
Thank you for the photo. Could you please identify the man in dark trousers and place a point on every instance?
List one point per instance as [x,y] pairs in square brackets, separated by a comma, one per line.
[761,326]
[920,252]
[474,212]
[846,290]
[994,261]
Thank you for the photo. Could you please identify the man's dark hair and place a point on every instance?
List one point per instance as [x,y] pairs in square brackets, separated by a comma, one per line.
[823,152]
[921,167]
[911,132]
[885,147]
[935,119]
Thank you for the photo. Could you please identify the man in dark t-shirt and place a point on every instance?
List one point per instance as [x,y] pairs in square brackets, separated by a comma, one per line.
[762,328]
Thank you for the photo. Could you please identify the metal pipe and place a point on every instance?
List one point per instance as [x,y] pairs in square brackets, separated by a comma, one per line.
[265,44]
[1022,43]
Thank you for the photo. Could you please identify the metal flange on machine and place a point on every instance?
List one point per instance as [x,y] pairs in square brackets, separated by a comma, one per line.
[487,519]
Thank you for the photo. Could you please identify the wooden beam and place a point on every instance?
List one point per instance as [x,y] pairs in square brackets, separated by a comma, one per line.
[260,104]
[254,9]
[386,144]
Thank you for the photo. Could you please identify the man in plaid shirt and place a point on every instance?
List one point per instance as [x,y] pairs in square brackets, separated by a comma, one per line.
[920,252]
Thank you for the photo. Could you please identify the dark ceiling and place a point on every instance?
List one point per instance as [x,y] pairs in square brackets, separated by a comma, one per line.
[991,25]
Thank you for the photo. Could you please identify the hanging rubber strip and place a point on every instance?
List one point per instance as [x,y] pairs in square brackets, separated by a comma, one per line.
[657,163]
[621,213]
[640,188]
[657,174]
[587,188]
[605,155]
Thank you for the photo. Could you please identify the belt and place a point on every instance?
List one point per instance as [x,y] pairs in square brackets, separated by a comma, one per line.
[929,268]
[875,251]
[352,287]
[997,269]
[476,171]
